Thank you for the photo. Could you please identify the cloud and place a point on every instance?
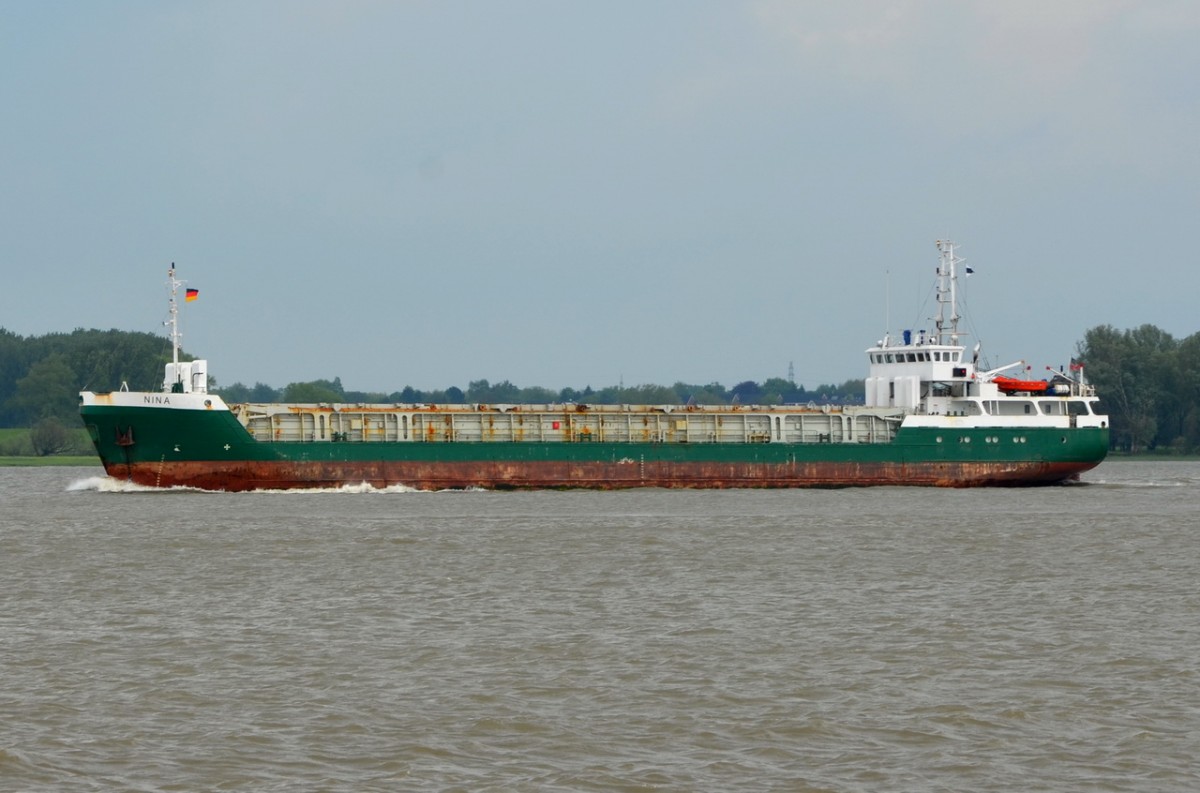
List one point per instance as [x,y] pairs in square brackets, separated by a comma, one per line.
[1070,76]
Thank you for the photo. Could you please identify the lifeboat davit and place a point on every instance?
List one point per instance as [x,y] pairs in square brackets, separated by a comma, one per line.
[1011,385]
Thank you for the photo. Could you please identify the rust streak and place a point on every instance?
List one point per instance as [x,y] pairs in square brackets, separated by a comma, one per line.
[587,475]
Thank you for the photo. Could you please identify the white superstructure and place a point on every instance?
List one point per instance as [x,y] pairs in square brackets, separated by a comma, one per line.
[930,376]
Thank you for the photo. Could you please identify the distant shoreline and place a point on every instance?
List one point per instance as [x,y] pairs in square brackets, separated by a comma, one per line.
[1150,457]
[64,460]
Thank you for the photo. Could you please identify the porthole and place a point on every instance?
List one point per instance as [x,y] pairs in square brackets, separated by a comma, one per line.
[938,439]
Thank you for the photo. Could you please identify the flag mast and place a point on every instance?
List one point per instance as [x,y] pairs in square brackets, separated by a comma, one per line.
[191,376]
[174,321]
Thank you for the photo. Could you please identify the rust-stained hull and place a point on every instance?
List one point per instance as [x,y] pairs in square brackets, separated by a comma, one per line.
[268,475]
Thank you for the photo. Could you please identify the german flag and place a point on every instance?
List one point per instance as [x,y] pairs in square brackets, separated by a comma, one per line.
[192,294]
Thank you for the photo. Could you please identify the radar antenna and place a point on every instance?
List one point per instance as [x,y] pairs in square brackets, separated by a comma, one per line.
[947,297]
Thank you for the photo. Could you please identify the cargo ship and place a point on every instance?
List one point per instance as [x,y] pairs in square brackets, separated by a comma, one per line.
[929,417]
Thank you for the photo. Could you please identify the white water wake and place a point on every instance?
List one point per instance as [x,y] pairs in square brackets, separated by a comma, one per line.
[107,484]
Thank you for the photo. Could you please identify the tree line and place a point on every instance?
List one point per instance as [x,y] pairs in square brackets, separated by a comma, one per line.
[41,377]
[774,391]
[1148,383]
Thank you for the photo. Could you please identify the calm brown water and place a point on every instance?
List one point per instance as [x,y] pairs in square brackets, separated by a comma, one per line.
[852,640]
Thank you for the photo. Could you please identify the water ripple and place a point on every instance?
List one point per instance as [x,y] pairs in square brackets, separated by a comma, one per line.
[883,639]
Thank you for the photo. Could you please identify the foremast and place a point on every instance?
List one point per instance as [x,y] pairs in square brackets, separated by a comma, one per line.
[173,285]
[187,376]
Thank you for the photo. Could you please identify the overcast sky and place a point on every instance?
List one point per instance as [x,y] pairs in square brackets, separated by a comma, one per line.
[569,193]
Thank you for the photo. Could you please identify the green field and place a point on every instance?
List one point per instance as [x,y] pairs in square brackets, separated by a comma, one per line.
[54,459]
[15,449]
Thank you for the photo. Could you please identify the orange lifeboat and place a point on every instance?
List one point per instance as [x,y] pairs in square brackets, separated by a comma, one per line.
[1011,385]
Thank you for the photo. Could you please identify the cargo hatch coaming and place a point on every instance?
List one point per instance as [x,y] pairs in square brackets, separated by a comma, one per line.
[570,423]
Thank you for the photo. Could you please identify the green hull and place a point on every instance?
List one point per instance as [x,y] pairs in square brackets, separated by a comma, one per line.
[212,450]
